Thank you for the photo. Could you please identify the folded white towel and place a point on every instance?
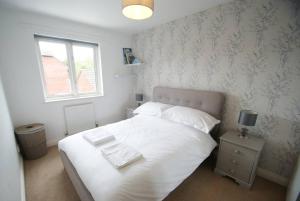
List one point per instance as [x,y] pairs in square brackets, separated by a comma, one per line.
[120,155]
[98,136]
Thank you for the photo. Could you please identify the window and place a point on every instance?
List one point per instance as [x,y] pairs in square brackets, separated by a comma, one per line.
[69,69]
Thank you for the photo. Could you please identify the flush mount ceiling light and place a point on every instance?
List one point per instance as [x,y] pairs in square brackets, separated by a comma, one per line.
[137,9]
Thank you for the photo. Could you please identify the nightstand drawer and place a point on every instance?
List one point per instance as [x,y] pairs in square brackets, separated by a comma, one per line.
[237,152]
[130,113]
[240,168]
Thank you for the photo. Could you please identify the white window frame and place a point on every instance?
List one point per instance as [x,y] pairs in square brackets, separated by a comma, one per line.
[71,64]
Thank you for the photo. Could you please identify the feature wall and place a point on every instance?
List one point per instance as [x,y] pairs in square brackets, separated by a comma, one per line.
[248,49]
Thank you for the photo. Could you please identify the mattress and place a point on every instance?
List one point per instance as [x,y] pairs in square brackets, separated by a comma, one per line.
[171,152]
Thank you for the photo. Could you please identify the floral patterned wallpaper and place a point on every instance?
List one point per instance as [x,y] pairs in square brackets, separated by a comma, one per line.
[248,49]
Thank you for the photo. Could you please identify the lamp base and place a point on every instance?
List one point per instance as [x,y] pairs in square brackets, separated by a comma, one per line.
[243,133]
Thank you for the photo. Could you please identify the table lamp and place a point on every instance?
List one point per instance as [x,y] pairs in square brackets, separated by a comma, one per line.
[139,98]
[246,118]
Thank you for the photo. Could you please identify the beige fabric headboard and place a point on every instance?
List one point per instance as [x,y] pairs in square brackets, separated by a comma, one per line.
[207,101]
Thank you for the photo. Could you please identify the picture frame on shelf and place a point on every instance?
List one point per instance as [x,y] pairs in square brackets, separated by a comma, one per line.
[129,58]
[127,55]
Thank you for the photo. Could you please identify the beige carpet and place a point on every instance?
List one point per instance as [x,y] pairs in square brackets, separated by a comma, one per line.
[46,180]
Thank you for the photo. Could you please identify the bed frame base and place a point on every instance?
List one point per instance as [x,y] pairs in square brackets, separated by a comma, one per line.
[79,186]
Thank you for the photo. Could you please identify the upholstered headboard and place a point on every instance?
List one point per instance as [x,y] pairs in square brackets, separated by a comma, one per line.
[207,101]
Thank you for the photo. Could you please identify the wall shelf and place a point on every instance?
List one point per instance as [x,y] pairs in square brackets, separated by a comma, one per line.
[137,64]
[124,74]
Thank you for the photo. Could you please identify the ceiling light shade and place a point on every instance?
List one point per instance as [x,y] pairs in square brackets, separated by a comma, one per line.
[137,9]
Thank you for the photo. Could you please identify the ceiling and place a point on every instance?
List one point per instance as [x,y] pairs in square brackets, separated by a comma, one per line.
[107,13]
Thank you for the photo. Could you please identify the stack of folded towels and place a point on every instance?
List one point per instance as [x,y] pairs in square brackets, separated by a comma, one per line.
[98,136]
[118,154]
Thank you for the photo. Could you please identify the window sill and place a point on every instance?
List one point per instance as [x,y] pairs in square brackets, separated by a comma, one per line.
[50,100]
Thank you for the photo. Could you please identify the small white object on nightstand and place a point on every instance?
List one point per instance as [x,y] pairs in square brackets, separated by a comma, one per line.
[238,157]
[129,112]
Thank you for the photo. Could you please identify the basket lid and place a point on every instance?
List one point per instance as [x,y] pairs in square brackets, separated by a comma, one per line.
[30,128]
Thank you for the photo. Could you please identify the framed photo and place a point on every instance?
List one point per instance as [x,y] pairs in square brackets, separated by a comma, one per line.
[128,56]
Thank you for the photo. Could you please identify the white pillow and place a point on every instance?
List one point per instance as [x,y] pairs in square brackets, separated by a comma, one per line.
[191,117]
[152,109]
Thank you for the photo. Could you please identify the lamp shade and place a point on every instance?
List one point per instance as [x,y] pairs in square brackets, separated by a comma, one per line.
[137,9]
[139,97]
[247,118]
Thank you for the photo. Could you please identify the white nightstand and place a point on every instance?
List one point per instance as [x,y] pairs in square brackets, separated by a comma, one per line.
[129,112]
[238,157]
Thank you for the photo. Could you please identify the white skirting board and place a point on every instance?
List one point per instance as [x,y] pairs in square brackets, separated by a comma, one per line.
[22,179]
[53,142]
[266,174]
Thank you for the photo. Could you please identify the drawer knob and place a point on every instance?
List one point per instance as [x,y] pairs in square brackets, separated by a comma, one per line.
[237,151]
[234,161]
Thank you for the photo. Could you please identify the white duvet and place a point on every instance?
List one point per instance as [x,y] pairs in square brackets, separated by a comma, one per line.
[171,152]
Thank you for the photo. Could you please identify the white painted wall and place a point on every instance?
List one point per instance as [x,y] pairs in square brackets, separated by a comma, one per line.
[10,178]
[22,81]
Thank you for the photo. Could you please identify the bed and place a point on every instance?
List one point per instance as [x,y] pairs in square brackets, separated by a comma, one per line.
[171,152]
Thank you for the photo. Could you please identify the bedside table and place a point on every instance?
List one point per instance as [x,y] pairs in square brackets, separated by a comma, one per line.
[129,112]
[238,157]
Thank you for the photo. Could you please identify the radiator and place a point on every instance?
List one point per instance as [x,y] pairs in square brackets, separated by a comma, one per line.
[79,118]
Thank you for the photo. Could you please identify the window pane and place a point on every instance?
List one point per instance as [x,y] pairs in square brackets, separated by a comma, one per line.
[85,68]
[56,69]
